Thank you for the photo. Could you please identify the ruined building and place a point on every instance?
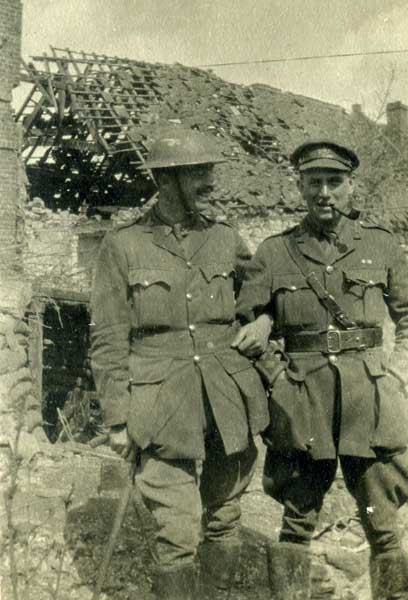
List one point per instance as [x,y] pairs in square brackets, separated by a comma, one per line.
[87,122]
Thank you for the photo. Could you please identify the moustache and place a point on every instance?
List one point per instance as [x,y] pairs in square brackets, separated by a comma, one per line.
[325,203]
[206,190]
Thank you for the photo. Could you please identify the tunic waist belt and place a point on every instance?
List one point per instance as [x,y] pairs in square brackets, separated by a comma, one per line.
[182,343]
[334,341]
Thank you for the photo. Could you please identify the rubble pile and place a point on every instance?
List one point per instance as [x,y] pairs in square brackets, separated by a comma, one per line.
[84,143]
[258,127]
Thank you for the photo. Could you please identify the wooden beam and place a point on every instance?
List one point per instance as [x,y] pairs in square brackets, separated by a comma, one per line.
[42,293]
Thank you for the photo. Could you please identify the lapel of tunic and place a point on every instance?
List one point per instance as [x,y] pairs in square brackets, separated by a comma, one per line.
[196,239]
[313,248]
[162,237]
[309,245]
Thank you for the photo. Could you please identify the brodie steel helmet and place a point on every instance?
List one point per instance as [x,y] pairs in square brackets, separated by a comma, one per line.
[180,148]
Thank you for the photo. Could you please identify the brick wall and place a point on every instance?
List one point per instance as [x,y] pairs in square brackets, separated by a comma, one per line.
[10,34]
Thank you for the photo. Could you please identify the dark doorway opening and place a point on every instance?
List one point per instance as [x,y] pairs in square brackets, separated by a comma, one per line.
[70,406]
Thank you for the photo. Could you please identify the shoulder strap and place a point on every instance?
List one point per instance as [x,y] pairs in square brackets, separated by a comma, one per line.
[328,301]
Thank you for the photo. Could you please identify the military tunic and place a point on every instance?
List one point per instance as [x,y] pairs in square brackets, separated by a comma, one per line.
[163,310]
[366,272]
[330,404]
[163,316]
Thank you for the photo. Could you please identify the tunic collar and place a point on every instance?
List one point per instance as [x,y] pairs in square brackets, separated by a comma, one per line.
[197,234]
[312,243]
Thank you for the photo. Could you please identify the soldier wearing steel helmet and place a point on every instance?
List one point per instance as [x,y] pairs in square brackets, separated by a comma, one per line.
[163,308]
[325,287]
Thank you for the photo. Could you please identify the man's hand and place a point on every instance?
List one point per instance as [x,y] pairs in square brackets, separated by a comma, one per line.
[120,441]
[252,339]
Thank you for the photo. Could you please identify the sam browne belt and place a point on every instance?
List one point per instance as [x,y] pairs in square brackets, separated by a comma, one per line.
[334,341]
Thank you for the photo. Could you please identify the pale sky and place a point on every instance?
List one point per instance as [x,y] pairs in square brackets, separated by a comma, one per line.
[195,32]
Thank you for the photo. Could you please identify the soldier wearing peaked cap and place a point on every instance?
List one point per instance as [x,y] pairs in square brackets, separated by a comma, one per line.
[163,308]
[325,287]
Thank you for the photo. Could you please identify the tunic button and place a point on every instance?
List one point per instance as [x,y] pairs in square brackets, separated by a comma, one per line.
[189,296]
[191,327]
[329,269]
[371,282]
[225,274]
[293,288]
[331,327]
[145,283]
[332,358]
[196,358]
[188,263]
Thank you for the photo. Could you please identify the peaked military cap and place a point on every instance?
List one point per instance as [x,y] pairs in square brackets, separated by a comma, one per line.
[324,154]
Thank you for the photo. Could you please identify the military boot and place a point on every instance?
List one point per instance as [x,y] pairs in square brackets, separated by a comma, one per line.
[389,576]
[180,583]
[219,563]
[289,567]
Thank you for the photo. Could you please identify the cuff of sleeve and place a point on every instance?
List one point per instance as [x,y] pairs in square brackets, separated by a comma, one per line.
[246,317]
[115,404]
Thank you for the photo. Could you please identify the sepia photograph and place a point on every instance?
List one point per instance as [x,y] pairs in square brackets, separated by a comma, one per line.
[203,300]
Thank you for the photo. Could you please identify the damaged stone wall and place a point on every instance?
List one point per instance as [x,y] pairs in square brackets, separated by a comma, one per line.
[55,254]
[21,434]
[19,408]
[61,247]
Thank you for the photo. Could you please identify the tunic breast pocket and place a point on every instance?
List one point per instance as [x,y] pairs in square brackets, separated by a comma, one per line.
[294,300]
[150,296]
[366,287]
[219,299]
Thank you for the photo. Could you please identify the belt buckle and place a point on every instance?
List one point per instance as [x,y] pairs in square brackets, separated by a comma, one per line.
[333,339]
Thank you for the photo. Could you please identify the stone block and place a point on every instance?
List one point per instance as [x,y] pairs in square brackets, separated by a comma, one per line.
[87,478]
[37,511]
[72,476]
[51,476]
[352,564]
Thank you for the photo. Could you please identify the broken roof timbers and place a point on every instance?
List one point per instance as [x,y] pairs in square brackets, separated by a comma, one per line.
[82,145]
